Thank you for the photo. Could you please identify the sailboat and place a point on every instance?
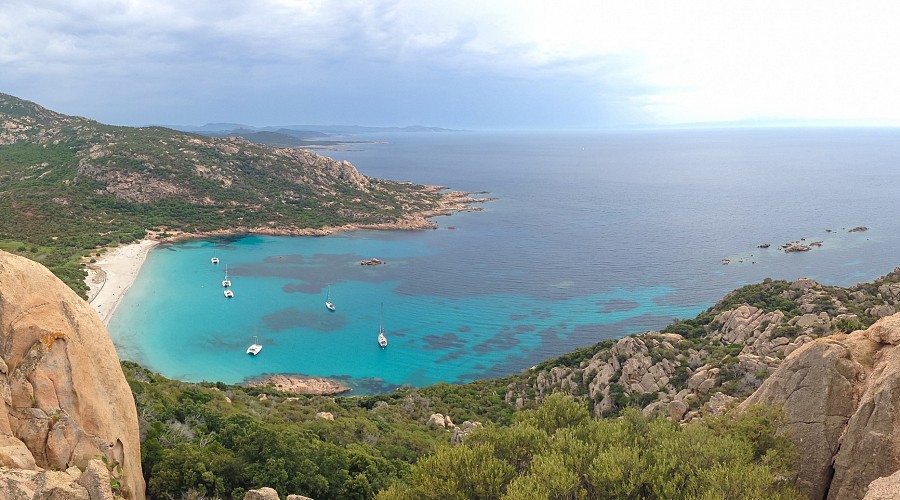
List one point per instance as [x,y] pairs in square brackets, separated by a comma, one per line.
[328,303]
[382,340]
[229,294]
[255,348]
[214,260]
[226,282]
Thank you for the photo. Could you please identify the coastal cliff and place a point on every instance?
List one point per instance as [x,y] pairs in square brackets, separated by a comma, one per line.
[65,400]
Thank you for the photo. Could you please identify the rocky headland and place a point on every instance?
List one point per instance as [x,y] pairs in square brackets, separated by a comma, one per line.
[93,186]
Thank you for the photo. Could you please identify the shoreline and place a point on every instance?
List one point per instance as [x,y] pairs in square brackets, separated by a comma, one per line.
[110,277]
[113,274]
[451,202]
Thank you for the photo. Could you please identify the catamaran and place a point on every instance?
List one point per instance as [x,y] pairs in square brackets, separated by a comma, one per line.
[229,294]
[226,282]
[214,260]
[255,347]
[328,303]
[382,340]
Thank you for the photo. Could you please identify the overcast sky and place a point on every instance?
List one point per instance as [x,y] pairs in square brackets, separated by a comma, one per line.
[478,64]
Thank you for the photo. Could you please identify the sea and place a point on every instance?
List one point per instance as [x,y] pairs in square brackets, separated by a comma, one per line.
[592,236]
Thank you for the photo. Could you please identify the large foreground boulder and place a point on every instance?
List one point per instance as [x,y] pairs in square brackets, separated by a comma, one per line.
[63,397]
[841,397]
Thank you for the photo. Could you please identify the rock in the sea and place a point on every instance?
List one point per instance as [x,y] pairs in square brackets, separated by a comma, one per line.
[67,400]
[842,404]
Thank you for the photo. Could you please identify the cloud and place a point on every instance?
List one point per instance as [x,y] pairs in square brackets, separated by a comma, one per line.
[499,64]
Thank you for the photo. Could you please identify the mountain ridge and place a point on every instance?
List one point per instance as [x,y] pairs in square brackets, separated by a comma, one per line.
[70,186]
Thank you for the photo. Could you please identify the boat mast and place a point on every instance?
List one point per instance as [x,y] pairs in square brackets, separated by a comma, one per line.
[381,321]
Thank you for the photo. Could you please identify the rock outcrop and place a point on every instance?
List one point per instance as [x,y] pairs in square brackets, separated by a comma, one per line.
[92,484]
[300,384]
[884,488]
[440,421]
[841,397]
[64,399]
[267,493]
[460,432]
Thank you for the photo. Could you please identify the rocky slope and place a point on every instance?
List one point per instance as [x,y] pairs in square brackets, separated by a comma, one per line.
[841,397]
[701,365]
[65,400]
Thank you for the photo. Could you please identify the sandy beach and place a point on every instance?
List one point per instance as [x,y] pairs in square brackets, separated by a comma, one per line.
[113,274]
[115,271]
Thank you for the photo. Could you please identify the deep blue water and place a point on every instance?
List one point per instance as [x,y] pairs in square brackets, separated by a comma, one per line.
[593,236]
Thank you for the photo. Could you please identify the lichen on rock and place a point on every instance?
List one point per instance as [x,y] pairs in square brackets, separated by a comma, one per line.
[65,398]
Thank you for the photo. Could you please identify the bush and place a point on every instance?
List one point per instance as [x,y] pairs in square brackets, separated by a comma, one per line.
[735,457]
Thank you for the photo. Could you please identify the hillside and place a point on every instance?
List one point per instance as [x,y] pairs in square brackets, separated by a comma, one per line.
[70,185]
[699,365]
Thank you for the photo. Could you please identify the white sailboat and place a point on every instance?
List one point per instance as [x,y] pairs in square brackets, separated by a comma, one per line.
[226,282]
[214,260]
[382,340]
[255,347]
[328,303]
[229,294]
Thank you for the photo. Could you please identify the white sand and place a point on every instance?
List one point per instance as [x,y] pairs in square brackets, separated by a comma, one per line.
[113,274]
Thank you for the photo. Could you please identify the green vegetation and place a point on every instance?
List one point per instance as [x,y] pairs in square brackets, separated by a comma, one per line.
[195,441]
[768,296]
[559,451]
[69,186]
[218,441]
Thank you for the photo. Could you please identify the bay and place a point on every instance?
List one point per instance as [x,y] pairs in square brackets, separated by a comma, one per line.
[592,236]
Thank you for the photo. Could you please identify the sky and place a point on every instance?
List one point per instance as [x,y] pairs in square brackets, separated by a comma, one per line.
[473,64]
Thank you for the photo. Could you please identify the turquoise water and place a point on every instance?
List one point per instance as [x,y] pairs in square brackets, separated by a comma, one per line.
[593,236]
[177,320]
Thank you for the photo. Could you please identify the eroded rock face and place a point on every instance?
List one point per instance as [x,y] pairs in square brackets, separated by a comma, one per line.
[64,397]
[841,397]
